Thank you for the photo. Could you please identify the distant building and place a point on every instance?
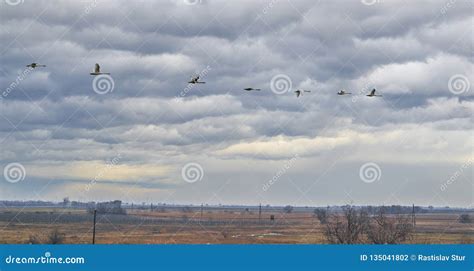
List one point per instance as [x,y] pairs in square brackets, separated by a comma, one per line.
[110,207]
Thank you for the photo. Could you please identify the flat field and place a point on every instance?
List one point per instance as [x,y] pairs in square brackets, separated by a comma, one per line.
[213,226]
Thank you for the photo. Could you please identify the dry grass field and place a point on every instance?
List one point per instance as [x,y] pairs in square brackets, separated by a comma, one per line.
[212,226]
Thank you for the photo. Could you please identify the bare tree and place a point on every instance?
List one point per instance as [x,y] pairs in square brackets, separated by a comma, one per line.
[55,237]
[465,218]
[348,228]
[288,209]
[186,209]
[322,215]
[383,229]
[33,240]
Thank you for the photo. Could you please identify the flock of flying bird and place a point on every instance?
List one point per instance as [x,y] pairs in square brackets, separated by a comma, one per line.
[298,92]
[195,80]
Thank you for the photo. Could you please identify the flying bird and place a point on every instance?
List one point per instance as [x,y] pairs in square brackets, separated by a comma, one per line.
[299,92]
[250,89]
[97,70]
[195,80]
[372,94]
[35,65]
[343,92]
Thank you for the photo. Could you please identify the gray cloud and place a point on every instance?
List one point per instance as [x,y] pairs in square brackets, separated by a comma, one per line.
[51,118]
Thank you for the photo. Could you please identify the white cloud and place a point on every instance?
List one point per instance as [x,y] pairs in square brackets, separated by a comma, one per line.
[419,77]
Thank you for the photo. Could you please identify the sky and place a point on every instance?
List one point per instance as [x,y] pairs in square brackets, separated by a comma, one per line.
[143,134]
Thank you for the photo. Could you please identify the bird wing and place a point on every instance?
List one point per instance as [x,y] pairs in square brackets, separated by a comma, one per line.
[97,68]
[372,92]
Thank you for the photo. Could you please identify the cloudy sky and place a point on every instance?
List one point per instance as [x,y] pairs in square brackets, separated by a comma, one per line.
[143,134]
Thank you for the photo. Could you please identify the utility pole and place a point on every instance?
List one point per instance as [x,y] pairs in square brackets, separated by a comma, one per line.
[260,212]
[413,216]
[93,231]
[201,210]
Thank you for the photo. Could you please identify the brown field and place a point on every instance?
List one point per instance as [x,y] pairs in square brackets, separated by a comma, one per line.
[214,227]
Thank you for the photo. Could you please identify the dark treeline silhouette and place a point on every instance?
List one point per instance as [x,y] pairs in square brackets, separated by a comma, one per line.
[371,210]
[109,207]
